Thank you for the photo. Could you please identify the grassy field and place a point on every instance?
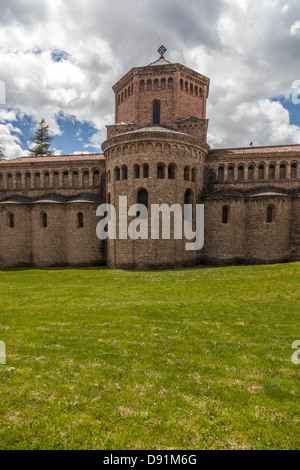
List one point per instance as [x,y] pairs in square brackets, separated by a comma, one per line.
[194,359]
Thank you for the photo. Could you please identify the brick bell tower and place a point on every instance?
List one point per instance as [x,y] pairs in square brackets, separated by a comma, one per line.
[155,153]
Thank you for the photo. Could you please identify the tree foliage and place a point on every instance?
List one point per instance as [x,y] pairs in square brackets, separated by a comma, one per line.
[2,154]
[42,141]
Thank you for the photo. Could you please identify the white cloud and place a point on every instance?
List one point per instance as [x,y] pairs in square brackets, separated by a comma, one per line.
[295,29]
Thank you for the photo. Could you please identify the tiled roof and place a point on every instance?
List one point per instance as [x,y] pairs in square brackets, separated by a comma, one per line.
[56,158]
[255,150]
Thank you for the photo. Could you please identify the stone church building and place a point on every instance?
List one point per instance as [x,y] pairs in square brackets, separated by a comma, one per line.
[155,153]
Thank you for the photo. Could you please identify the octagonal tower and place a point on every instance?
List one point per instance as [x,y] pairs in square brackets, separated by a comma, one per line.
[155,154]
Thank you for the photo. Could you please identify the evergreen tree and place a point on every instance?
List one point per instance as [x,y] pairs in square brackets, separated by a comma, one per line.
[42,141]
[2,155]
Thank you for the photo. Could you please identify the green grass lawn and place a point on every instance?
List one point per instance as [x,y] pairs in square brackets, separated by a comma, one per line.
[185,359]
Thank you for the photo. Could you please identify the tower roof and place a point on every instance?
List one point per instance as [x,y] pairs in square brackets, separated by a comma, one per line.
[161,61]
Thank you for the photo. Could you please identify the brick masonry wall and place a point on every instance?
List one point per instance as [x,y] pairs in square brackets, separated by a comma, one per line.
[153,147]
[61,243]
[248,237]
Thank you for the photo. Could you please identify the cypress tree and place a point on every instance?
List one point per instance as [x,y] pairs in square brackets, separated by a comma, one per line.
[42,141]
[2,154]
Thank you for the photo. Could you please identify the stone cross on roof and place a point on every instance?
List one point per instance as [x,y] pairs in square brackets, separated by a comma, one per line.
[162,50]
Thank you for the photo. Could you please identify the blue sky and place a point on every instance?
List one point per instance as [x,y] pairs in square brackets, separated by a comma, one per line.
[63,70]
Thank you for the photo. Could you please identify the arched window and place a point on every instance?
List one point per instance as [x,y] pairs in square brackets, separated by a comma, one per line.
[9,180]
[124,172]
[196,90]
[188,199]
[251,172]
[188,196]
[155,84]
[142,197]
[170,83]
[85,178]
[163,84]
[172,171]
[191,88]
[27,180]
[272,171]
[75,178]
[225,215]
[200,92]
[146,170]
[261,171]
[18,180]
[221,174]
[46,179]
[125,94]
[136,171]
[117,173]
[37,180]
[108,176]
[80,220]
[186,173]
[65,178]
[270,214]
[241,173]
[44,220]
[194,175]
[11,220]
[181,84]
[160,171]
[294,170]
[96,177]
[156,113]
[55,179]
[149,84]
[142,85]
[282,171]
[186,86]
[230,173]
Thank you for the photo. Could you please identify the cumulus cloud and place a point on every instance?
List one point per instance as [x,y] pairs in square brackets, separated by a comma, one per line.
[63,56]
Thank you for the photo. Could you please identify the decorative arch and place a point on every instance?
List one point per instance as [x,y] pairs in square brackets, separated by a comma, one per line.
[294,170]
[221,174]
[136,171]
[124,172]
[117,173]
[282,170]
[161,171]
[145,170]
[261,171]
[187,173]
[241,172]
[272,170]
[230,172]
[142,197]
[172,171]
